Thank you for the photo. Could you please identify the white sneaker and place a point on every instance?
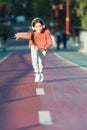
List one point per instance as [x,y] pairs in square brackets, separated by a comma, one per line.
[41,77]
[37,77]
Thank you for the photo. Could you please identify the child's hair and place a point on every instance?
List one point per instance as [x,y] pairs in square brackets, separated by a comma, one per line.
[37,20]
[34,21]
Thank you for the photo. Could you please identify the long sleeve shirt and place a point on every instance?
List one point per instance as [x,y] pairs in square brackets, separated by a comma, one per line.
[42,40]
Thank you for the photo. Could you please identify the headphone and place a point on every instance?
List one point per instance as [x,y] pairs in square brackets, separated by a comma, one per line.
[35,20]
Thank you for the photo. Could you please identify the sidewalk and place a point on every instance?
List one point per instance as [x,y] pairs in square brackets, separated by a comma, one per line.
[59,103]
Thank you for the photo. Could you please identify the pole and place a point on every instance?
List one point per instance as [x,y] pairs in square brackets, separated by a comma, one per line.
[67,17]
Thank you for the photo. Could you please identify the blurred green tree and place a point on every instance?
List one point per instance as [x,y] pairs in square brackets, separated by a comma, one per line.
[43,8]
[79,13]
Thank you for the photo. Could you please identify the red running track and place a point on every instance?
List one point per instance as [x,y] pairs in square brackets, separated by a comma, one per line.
[65,88]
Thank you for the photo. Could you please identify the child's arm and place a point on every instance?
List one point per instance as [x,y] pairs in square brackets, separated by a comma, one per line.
[24,35]
[49,40]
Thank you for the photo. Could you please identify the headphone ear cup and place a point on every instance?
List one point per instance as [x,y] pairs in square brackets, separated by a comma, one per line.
[32,28]
[43,26]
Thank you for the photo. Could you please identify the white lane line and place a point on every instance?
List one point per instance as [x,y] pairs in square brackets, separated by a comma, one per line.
[40,91]
[70,62]
[45,118]
[5,57]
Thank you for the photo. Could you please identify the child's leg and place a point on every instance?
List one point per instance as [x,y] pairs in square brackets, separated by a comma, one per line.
[41,64]
[35,63]
[34,57]
[41,60]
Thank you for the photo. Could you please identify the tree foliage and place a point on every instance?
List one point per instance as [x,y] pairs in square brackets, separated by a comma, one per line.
[43,8]
[79,13]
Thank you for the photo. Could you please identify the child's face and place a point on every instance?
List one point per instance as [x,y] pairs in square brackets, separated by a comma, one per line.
[38,27]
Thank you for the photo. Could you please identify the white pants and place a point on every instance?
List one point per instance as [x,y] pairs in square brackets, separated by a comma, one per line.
[38,59]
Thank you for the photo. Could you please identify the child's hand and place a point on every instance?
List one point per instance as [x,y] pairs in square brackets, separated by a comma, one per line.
[43,49]
[16,36]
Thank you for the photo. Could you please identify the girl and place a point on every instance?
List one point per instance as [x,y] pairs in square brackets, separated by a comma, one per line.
[39,42]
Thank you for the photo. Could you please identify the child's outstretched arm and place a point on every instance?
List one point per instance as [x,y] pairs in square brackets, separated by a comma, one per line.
[24,35]
[49,40]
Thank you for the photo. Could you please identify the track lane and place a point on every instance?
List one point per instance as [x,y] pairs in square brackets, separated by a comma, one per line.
[65,88]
